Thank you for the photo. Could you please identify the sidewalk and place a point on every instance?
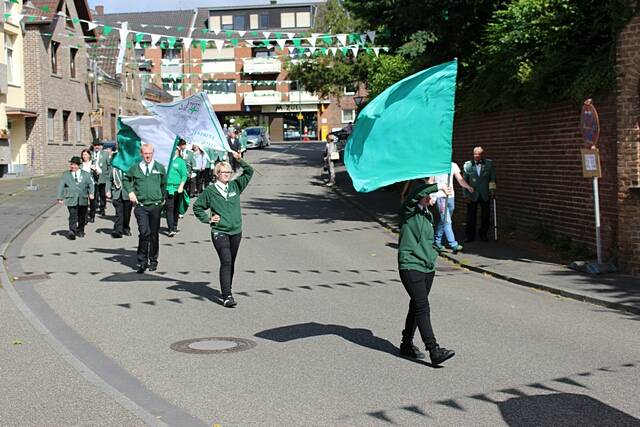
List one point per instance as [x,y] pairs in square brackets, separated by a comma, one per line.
[507,261]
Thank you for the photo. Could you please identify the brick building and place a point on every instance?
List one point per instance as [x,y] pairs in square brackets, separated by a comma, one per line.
[539,171]
[247,79]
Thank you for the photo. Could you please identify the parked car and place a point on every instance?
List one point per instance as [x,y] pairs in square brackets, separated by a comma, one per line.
[257,137]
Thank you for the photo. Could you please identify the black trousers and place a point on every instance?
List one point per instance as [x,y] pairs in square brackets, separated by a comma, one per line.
[208,173]
[77,218]
[101,197]
[171,206]
[418,286]
[200,177]
[227,248]
[91,212]
[472,212]
[148,228]
[123,215]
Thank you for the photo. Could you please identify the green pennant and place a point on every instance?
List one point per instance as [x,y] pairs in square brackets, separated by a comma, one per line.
[129,45]
[278,35]
[229,33]
[76,20]
[204,30]
[324,51]
[106,30]
[139,37]
[369,50]
[45,9]
[266,43]
[6,16]
[234,42]
[31,18]
[180,28]
[296,42]
[327,40]
[344,51]
[15,1]
[203,45]
[163,44]
[172,42]
[254,34]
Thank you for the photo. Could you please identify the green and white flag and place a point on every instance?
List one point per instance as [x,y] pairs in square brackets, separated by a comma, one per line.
[137,130]
[193,120]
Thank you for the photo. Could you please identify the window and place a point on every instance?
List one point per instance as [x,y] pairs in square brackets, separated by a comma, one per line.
[171,54]
[264,22]
[54,57]
[12,75]
[51,116]
[253,22]
[72,62]
[171,84]
[303,19]
[227,22]
[350,89]
[113,126]
[264,53]
[219,86]
[214,23]
[239,22]
[65,125]
[287,20]
[348,116]
[79,128]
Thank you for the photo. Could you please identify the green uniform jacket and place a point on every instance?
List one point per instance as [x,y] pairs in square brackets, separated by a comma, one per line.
[148,189]
[415,247]
[190,161]
[177,175]
[229,208]
[480,183]
[75,193]
[105,166]
[115,186]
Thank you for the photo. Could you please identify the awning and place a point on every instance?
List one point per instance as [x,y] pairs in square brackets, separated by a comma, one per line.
[13,112]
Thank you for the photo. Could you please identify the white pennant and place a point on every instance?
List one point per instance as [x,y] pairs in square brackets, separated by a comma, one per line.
[242,33]
[312,40]
[342,38]
[216,31]
[155,38]
[363,39]
[266,34]
[372,36]
[167,27]
[376,50]
[355,51]
[334,50]
[312,49]
[17,17]
[290,36]
[144,25]
[219,44]
[308,54]
[281,43]
[92,25]
[249,43]
[186,42]
[292,49]
[124,32]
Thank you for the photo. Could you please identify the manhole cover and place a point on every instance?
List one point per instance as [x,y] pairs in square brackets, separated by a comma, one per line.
[213,345]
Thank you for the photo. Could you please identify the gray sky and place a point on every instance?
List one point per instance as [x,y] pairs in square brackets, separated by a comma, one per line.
[115,6]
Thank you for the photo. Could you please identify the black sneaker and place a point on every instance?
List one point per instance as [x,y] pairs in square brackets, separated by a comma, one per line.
[141,268]
[116,235]
[153,267]
[80,234]
[71,235]
[171,233]
[440,354]
[411,351]
[92,219]
[229,302]
[127,233]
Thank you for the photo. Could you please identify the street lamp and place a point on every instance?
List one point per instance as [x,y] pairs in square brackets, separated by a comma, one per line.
[358,100]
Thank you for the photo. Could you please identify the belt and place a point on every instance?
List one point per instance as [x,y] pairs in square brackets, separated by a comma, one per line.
[150,205]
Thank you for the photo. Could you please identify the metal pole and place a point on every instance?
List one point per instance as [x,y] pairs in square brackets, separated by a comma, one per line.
[94,67]
[299,107]
[596,205]
[495,221]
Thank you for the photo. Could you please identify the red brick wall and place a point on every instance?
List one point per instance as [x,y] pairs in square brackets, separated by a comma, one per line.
[539,170]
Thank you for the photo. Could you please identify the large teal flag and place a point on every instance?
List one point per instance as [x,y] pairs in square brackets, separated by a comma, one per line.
[405,132]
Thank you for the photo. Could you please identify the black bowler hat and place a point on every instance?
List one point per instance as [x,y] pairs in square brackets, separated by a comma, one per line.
[76,160]
[97,142]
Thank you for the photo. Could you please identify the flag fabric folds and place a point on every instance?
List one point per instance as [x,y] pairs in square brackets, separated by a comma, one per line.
[405,132]
[193,120]
[137,130]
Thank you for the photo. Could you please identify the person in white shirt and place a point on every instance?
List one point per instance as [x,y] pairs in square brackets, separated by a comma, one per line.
[445,206]
[88,166]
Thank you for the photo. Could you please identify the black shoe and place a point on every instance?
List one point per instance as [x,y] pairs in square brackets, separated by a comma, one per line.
[229,302]
[127,233]
[102,213]
[141,268]
[153,267]
[484,238]
[80,234]
[92,219]
[116,235]
[440,354]
[71,235]
[410,351]
[171,233]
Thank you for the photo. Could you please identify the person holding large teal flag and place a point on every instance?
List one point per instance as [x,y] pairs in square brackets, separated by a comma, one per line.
[405,132]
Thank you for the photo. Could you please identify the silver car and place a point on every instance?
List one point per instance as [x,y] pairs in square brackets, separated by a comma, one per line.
[257,137]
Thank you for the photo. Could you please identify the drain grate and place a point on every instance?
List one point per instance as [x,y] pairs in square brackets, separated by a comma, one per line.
[213,345]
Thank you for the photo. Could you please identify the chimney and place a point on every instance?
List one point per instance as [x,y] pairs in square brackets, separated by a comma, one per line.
[99,10]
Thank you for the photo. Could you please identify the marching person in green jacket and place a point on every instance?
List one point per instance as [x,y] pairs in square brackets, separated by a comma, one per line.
[120,200]
[75,190]
[417,264]
[225,219]
[480,173]
[146,183]
[176,179]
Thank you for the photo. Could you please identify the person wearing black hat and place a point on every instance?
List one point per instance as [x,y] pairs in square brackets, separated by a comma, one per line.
[101,166]
[75,191]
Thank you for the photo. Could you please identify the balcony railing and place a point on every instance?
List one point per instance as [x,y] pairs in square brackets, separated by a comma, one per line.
[261,65]
[171,66]
[302,97]
[222,98]
[262,97]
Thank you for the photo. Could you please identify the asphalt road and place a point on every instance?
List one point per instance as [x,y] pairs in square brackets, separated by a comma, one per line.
[320,297]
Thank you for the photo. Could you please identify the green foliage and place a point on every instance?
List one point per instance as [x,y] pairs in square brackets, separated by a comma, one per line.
[333,18]
[538,51]
[385,71]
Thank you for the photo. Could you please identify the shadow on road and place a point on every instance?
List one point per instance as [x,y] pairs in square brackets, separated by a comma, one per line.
[562,409]
[199,289]
[359,336]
